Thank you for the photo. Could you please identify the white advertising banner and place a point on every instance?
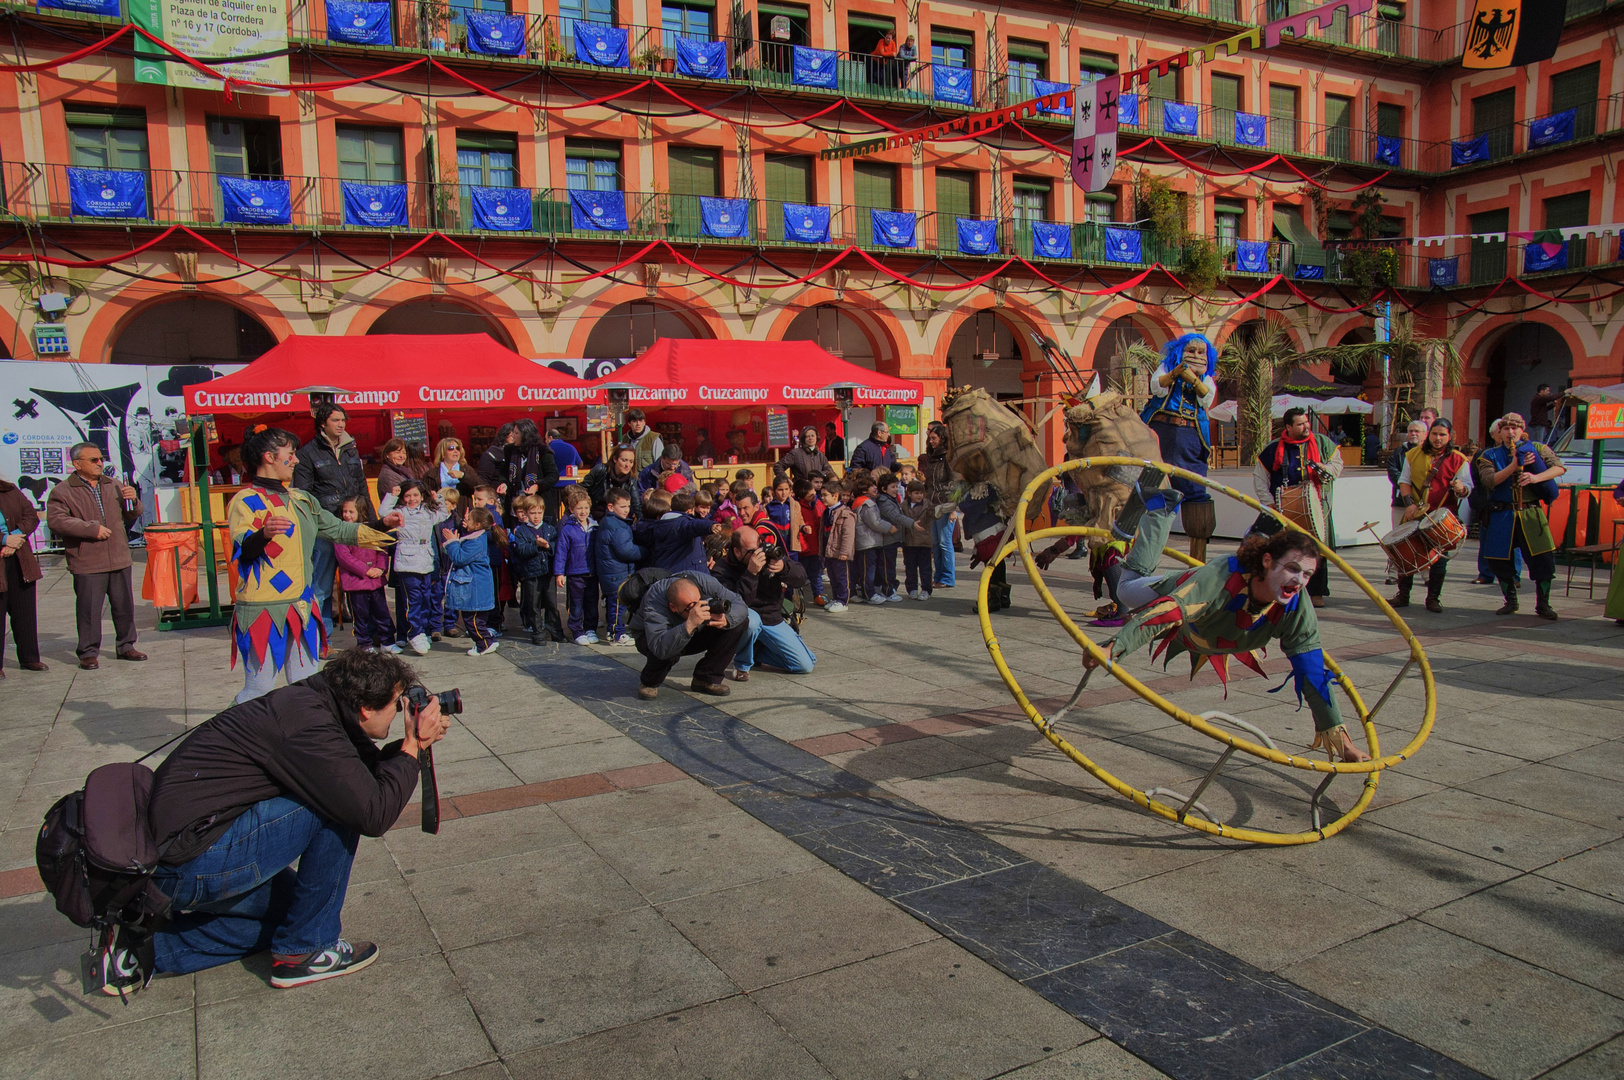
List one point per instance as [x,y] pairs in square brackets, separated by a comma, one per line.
[212,31]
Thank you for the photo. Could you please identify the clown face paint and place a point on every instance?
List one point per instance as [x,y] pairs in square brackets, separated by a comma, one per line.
[1283,580]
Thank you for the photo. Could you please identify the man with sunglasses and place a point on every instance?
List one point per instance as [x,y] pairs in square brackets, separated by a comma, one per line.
[89,512]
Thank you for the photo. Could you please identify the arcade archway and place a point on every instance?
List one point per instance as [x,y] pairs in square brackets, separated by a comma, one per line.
[989,353]
[1518,362]
[192,330]
[438,316]
[625,330]
[835,331]
[1110,356]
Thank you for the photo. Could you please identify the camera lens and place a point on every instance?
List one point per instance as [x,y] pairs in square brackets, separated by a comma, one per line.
[451,702]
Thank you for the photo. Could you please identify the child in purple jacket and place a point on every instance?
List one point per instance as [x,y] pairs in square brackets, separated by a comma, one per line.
[362,573]
[574,565]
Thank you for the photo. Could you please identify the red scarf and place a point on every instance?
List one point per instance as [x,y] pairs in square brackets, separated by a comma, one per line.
[1445,464]
[1311,454]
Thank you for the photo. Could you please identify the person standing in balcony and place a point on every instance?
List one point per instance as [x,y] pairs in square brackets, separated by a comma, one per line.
[907,58]
[882,68]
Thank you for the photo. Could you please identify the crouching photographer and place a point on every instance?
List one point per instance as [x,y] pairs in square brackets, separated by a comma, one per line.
[685,615]
[265,804]
[756,569]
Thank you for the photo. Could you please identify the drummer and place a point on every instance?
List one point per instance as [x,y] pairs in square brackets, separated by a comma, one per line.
[1434,476]
[1230,607]
[1308,461]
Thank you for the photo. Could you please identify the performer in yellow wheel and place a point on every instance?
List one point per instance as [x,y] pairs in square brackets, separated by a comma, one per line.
[1229,607]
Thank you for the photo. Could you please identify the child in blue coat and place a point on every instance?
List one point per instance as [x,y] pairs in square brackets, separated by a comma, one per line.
[573,566]
[469,588]
[531,557]
[617,557]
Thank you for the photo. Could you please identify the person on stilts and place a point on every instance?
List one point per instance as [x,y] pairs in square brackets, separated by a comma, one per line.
[1181,390]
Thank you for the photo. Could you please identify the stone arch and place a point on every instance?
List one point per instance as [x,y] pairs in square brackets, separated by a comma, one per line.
[190,328]
[433,315]
[628,328]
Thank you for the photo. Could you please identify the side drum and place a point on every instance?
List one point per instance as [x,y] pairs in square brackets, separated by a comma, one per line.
[1408,549]
[1443,530]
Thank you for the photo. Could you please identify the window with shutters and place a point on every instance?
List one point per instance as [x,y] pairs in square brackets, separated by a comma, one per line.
[1227,215]
[591,165]
[251,149]
[1389,25]
[1283,117]
[874,186]
[1389,120]
[487,159]
[1028,60]
[1338,127]
[107,138]
[694,170]
[1569,212]
[788,179]
[1226,102]
[1489,256]
[952,48]
[1094,66]
[1031,199]
[955,197]
[691,19]
[1578,90]
[371,155]
[1493,115]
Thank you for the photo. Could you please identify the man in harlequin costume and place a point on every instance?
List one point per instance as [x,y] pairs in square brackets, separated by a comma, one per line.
[273,534]
[1229,607]
[1181,390]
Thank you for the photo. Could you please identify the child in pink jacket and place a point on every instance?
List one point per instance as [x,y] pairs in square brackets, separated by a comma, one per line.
[362,572]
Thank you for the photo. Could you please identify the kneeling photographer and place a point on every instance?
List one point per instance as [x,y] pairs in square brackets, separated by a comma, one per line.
[266,803]
[684,615]
[756,568]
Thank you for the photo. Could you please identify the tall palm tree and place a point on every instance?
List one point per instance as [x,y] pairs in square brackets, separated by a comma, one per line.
[1258,359]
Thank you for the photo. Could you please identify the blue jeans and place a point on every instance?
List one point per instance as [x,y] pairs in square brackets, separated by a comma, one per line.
[243,896]
[323,565]
[946,573]
[779,645]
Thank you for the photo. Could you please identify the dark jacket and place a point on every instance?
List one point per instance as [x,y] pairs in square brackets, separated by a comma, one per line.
[20,516]
[649,478]
[390,477]
[298,741]
[616,549]
[1395,465]
[528,558]
[661,632]
[75,510]
[871,455]
[333,477]
[600,481]
[573,552]
[519,468]
[803,464]
[675,542]
[764,593]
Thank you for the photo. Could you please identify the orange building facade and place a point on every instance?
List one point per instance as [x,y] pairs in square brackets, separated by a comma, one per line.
[1379,97]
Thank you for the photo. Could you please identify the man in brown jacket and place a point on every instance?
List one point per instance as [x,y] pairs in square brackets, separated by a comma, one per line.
[18,572]
[84,510]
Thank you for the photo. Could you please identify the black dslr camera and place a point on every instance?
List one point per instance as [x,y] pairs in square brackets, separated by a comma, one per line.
[417,699]
[771,550]
[720,606]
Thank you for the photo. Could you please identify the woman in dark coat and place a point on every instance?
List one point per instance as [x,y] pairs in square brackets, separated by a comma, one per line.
[940,480]
[19,570]
[518,463]
[806,460]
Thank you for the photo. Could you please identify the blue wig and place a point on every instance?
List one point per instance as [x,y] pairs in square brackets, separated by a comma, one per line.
[1173,354]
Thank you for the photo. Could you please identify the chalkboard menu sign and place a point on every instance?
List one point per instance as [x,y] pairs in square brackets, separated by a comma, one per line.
[778,427]
[412,428]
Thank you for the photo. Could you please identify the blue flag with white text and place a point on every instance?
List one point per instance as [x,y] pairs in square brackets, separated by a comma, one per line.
[1552,129]
[1252,256]
[1251,129]
[1127,110]
[813,67]
[598,211]
[954,84]
[360,22]
[1388,150]
[106,8]
[726,219]
[806,224]
[377,206]
[893,228]
[1179,118]
[495,34]
[1469,151]
[1443,272]
[702,59]
[108,193]
[1052,239]
[1538,258]
[978,236]
[502,209]
[1123,246]
[1042,88]
[256,202]
[600,44]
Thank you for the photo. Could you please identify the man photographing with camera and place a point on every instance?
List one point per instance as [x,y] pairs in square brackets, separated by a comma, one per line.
[756,569]
[259,812]
[685,615]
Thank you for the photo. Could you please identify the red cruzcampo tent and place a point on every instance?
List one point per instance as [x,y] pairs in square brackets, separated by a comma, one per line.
[699,374]
[393,371]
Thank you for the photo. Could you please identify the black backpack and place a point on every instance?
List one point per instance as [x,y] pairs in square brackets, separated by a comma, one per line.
[633,588]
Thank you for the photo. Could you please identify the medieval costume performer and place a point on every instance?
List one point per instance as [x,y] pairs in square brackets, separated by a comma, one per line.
[1229,607]
[1520,475]
[273,536]
[1294,474]
[1434,476]
[1181,390]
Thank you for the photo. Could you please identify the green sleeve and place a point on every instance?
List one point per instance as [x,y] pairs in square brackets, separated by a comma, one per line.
[331,528]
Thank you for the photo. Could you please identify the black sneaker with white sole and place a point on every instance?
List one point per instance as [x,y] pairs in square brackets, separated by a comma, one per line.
[341,959]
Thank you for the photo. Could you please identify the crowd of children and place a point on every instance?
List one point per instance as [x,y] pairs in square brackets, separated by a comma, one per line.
[456,567]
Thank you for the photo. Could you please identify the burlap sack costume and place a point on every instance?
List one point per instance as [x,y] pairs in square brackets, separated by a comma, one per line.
[990,443]
[1107,426]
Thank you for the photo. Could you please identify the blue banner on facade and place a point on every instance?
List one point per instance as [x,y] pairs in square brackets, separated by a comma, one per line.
[1541,257]
[953,84]
[360,22]
[813,67]
[596,43]
[1179,118]
[1127,110]
[502,209]
[1123,246]
[495,34]
[702,59]
[108,193]
[1040,88]
[107,8]
[377,206]
[256,202]
[727,219]
[599,211]
[806,224]
[1252,256]
[1443,272]
[1389,148]
[1469,151]
[1052,239]
[893,228]
[1552,129]
[978,236]
[1307,272]
[1251,129]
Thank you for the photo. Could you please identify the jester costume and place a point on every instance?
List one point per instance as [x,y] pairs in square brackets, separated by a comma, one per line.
[1289,462]
[271,622]
[1177,413]
[1209,613]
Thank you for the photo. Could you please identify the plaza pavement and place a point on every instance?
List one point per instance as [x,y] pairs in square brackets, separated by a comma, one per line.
[881,870]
